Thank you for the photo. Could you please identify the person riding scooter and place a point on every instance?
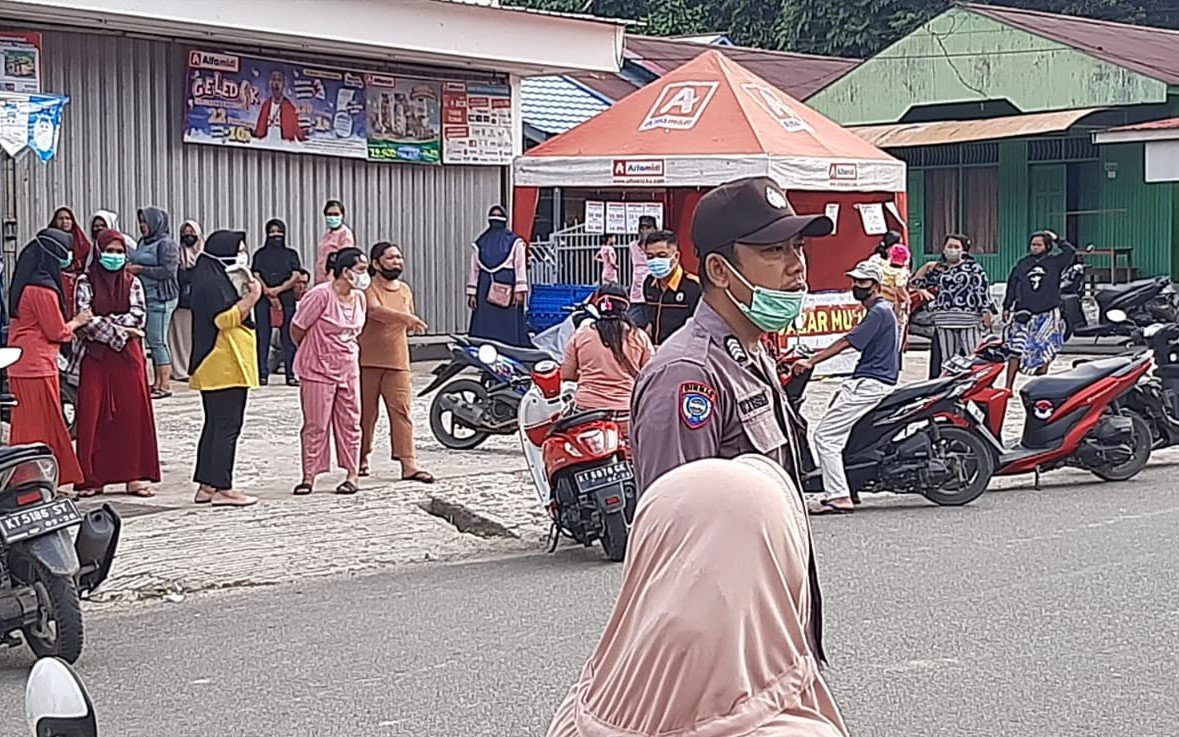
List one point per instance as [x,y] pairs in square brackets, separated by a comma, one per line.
[876,372]
[606,355]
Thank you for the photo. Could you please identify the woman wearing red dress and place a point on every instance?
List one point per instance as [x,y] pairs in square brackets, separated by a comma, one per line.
[39,329]
[64,220]
[114,405]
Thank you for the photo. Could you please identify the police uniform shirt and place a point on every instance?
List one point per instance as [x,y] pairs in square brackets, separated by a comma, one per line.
[669,306]
[704,396]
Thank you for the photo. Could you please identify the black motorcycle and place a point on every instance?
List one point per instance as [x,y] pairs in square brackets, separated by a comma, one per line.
[1155,397]
[69,394]
[43,573]
[1143,301]
[467,411]
[920,439]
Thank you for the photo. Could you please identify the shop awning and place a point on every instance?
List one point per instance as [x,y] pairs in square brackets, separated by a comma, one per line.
[1155,130]
[450,33]
[904,135]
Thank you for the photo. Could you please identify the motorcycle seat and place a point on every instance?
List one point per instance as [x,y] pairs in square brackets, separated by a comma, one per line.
[907,394]
[10,455]
[526,356]
[579,418]
[1068,383]
[1109,293]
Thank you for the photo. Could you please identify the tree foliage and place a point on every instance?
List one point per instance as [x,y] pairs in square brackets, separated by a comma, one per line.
[851,28]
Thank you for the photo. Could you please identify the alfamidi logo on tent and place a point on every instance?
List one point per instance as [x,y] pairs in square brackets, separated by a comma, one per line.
[679,106]
[776,107]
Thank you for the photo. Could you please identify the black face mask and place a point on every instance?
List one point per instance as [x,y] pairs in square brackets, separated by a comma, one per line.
[861,293]
[276,241]
[390,274]
[188,240]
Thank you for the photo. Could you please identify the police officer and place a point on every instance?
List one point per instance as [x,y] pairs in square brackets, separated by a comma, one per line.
[711,391]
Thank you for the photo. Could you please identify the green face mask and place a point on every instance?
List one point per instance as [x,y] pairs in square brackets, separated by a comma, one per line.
[771,310]
[112,261]
[66,261]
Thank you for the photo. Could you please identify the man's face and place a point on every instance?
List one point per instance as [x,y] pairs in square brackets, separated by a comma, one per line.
[392,258]
[871,286]
[662,249]
[780,267]
[278,84]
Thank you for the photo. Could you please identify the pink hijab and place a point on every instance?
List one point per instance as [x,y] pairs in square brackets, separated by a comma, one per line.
[707,638]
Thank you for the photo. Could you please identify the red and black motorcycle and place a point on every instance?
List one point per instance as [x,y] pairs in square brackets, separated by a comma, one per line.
[1076,418]
[580,464]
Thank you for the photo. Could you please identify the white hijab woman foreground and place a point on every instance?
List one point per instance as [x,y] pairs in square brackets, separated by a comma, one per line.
[707,638]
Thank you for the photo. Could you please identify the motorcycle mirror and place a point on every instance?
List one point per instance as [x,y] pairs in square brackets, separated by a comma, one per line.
[488,354]
[1116,315]
[9,355]
[56,702]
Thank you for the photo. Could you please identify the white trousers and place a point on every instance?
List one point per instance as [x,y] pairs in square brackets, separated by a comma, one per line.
[854,398]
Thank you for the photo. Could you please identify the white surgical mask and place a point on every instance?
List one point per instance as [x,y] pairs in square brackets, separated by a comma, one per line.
[360,280]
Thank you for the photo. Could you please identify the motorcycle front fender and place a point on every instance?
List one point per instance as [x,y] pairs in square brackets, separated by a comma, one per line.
[55,551]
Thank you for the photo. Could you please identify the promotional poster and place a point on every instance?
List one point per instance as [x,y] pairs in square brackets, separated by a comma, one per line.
[259,103]
[404,119]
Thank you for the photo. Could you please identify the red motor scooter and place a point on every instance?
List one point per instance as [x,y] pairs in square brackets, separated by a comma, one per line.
[1075,418]
[587,483]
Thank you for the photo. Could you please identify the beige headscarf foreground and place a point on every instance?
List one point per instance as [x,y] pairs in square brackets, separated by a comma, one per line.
[707,638]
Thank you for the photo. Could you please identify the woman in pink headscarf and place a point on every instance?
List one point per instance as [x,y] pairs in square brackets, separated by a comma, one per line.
[710,633]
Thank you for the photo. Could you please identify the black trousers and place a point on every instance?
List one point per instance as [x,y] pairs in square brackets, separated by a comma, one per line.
[264,329]
[225,409]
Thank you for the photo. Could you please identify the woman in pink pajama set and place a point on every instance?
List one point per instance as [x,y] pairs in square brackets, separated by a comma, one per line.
[326,324]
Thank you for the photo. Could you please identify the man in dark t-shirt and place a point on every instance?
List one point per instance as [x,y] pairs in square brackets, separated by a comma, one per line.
[876,372]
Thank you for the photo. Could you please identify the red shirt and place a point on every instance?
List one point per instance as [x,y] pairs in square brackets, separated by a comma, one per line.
[38,330]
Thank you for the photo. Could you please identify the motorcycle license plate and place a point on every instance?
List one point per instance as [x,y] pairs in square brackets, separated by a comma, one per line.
[976,412]
[38,520]
[599,478]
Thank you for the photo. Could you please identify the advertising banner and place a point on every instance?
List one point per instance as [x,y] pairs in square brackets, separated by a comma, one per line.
[20,62]
[274,105]
[477,123]
[404,119]
[31,122]
[827,317]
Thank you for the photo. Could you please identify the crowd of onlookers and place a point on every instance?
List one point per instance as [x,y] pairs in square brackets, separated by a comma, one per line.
[213,312]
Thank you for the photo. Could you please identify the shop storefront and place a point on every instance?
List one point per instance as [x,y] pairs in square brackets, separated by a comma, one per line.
[408,112]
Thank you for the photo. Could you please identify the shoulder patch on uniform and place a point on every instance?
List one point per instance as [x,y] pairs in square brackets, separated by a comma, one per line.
[697,402]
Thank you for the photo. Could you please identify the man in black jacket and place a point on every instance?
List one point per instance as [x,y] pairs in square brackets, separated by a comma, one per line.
[1034,287]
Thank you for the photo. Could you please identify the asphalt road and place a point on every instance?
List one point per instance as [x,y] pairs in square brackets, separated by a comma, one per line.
[1051,613]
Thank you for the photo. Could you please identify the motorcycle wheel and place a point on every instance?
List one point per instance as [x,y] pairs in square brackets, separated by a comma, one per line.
[614,535]
[58,632]
[69,407]
[1142,442]
[472,391]
[966,447]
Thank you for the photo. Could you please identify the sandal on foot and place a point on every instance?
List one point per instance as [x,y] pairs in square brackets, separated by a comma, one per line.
[422,477]
[143,492]
[233,499]
[829,508]
[87,493]
[302,490]
[160,394]
[363,471]
[202,497]
[347,488]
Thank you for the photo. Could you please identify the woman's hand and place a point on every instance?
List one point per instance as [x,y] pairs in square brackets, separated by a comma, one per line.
[82,318]
[521,298]
[472,302]
[925,294]
[988,320]
[134,269]
[417,324]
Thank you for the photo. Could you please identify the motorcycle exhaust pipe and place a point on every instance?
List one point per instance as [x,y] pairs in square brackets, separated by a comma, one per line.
[98,537]
[467,413]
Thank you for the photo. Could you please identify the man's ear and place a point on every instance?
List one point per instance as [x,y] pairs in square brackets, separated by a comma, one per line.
[717,271]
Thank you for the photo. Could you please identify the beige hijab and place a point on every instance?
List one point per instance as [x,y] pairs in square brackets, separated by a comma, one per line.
[707,638]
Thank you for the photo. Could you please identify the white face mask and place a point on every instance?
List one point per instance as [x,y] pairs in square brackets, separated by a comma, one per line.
[243,259]
[360,280]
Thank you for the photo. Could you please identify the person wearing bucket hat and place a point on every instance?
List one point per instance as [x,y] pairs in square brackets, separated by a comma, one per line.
[876,372]
[711,391]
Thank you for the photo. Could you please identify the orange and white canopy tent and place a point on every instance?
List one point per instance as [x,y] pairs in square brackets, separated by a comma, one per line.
[705,123]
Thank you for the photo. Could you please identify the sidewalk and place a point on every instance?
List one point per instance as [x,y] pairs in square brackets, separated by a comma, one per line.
[171,546]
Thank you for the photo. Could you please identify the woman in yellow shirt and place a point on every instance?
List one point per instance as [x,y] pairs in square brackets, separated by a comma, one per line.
[224,363]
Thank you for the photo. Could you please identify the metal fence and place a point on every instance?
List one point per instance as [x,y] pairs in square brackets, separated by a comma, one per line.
[568,257]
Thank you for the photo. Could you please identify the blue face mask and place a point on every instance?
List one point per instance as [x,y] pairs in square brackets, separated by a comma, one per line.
[333,221]
[660,268]
[112,261]
[66,261]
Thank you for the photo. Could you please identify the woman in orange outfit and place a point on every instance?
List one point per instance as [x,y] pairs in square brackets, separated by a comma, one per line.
[39,328]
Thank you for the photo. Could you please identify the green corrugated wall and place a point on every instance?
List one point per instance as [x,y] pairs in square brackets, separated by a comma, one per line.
[1147,225]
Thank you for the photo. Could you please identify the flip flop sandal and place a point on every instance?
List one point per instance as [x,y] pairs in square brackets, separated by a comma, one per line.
[157,394]
[302,490]
[243,501]
[422,477]
[87,493]
[363,471]
[202,497]
[347,488]
[143,492]
[829,508]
